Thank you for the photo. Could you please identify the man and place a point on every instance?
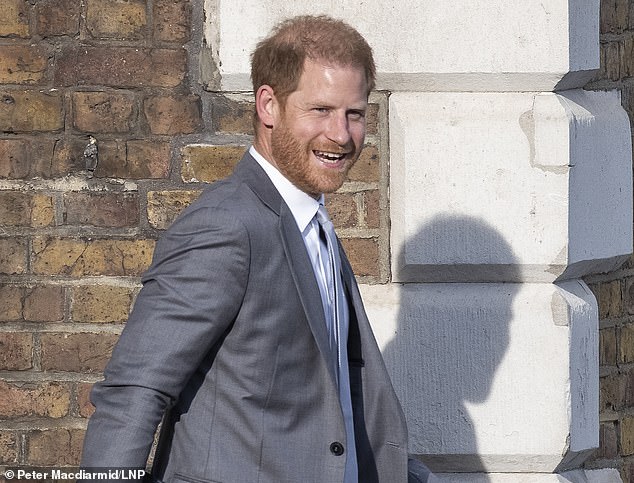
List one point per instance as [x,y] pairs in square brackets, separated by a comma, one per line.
[249,333]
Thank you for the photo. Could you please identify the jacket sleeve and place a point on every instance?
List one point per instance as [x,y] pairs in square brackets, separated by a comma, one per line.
[190,297]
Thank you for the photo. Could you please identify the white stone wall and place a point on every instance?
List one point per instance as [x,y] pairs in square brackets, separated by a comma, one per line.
[508,183]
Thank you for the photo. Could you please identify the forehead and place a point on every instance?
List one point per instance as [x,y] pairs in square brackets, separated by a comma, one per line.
[323,79]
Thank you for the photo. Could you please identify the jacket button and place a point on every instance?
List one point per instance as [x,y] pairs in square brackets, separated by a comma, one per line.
[336,448]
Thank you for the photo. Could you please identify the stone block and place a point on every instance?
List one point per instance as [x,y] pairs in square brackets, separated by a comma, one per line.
[453,352]
[558,166]
[490,48]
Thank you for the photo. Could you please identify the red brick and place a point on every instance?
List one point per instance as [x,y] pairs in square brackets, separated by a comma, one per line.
[10,303]
[26,111]
[67,157]
[86,408]
[103,112]
[614,16]
[12,256]
[172,20]
[54,447]
[608,444]
[114,210]
[44,304]
[31,399]
[164,206]
[232,116]
[26,209]
[16,351]
[86,353]
[116,19]
[372,208]
[611,60]
[607,346]
[147,159]
[77,257]
[342,208]
[610,300]
[135,159]
[23,64]
[15,19]
[612,392]
[58,17]
[120,67]
[101,303]
[13,158]
[367,168]
[8,447]
[363,254]
[207,163]
[173,114]
[372,119]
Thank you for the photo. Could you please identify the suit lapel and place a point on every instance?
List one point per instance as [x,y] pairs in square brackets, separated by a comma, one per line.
[299,263]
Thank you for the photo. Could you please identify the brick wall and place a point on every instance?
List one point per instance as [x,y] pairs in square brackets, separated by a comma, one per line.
[73,243]
[615,291]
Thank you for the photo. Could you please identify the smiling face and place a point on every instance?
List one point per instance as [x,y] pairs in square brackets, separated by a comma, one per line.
[317,134]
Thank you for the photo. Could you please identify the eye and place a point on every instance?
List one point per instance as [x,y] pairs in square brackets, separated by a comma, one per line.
[322,110]
[356,115]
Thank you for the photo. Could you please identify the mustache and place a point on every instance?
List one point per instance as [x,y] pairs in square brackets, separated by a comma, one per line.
[335,148]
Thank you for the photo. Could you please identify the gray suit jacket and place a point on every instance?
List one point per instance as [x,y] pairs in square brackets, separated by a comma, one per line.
[227,339]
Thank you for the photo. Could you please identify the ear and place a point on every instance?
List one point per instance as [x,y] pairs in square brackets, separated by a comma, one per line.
[266,105]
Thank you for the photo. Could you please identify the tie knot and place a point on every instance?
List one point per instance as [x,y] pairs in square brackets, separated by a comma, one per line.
[322,215]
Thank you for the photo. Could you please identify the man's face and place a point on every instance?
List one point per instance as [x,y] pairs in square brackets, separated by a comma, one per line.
[321,128]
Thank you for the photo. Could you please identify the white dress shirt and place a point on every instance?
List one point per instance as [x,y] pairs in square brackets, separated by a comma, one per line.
[304,208]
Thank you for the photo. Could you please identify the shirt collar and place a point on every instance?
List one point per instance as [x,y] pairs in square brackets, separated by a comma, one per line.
[302,205]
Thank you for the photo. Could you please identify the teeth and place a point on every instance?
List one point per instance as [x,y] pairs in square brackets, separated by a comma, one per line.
[330,156]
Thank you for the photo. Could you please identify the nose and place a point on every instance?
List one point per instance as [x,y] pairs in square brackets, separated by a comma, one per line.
[339,129]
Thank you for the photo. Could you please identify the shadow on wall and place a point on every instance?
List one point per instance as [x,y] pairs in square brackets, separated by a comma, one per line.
[451,338]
